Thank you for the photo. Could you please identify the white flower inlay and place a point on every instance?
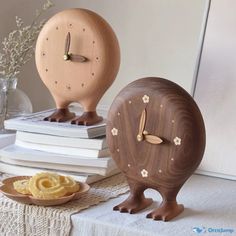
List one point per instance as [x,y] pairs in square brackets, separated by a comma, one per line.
[145,99]
[177,141]
[114,131]
[144,173]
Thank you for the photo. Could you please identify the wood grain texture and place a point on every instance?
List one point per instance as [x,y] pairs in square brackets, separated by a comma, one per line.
[173,116]
[80,33]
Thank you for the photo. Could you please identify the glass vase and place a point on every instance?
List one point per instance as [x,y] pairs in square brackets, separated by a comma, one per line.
[13,101]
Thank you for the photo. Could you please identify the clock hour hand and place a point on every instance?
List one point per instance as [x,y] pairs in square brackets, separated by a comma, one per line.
[152,139]
[142,125]
[67,47]
[77,58]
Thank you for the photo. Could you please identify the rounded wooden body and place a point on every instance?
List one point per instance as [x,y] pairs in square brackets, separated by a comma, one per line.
[69,80]
[171,115]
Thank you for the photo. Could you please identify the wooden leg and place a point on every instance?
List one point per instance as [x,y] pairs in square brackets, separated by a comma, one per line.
[60,115]
[88,118]
[136,200]
[168,208]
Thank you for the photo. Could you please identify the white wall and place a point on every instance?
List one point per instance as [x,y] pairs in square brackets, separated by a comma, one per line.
[157,38]
[215,90]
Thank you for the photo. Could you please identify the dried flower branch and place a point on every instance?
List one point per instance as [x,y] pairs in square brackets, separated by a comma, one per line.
[18,46]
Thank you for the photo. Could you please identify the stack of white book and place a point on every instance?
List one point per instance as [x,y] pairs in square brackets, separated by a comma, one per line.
[78,151]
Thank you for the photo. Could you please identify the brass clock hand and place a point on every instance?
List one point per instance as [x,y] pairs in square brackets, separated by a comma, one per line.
[66,56]
[77,58]
[153,139]
[142,125]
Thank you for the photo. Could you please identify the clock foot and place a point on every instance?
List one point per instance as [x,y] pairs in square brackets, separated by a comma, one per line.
[136,200]
[133,205]
[167,211]
[88,118]
[60,115]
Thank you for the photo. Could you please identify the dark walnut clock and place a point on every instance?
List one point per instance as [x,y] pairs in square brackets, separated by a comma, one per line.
[77,57]
[156,136]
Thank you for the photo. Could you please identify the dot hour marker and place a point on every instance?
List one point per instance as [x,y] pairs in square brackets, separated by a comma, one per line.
[118,150]
[160,171]
[161,106]
[130,102]
[118,113]
[172,159]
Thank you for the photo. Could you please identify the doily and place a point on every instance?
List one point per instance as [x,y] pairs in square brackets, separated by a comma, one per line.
[20,219]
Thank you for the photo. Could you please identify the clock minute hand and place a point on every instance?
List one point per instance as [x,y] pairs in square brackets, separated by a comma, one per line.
[77,58]
[142,125]
[67,47]
[153,139]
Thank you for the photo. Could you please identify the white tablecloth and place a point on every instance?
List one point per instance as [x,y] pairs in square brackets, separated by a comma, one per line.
[209,203]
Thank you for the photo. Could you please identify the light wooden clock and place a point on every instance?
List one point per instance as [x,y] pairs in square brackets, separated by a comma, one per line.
[156,136]
[77,57]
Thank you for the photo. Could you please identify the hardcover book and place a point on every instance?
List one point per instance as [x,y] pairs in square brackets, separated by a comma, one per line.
[62,167]
[35,123]
[94,143]
[21,170]
[25,154]
[72,151]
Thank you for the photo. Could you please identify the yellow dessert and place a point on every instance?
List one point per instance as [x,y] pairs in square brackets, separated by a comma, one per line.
[47,185]
[22,186]
[70,184]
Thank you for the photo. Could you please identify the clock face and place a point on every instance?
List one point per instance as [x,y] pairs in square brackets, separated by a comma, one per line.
[150,131]
[72,80]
